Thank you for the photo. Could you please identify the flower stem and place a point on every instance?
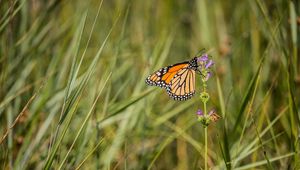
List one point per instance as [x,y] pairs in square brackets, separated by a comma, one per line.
[204,117]
[205,156]
[204,109]
[205,138]
[205,128]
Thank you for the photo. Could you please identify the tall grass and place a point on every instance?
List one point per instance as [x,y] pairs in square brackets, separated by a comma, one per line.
[72,90]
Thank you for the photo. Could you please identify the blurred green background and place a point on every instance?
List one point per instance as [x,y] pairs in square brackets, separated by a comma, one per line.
[73,92]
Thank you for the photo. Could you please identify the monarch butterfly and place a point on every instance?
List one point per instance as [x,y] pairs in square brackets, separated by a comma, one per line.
[177,79]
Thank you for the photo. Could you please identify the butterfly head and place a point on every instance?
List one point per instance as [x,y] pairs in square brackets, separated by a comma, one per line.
[193,64]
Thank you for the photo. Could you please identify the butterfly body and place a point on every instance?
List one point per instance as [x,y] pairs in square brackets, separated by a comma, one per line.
[177,79]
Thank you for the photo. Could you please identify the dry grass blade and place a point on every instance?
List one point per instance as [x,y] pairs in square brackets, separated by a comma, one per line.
[20,114]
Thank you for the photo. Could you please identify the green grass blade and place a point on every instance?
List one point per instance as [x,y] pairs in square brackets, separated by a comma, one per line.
[226,148]
[53,152]
[293,20]
[294,115]
[260,163]
[165,143]
[261,143]
[248,94]
[89,154]
[73,73]
[119,107]
[221,98]
[84,123]
[250,145]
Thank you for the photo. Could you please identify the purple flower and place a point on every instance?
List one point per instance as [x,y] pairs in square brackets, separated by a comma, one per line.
[203,58]
[200,112]
[209,74]
[209,64]
[205,62]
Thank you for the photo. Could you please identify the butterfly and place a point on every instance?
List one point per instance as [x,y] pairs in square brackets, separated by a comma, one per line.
[177,79]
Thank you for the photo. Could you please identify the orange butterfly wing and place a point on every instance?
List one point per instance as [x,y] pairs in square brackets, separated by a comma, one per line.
[182,86]
[178,79]
[163,76]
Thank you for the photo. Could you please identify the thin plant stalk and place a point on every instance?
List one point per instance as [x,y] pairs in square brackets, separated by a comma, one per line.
[204,117]
[205,130]
[205,156]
